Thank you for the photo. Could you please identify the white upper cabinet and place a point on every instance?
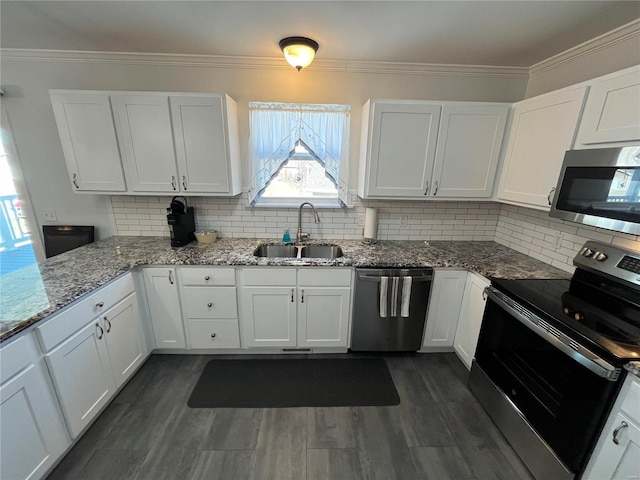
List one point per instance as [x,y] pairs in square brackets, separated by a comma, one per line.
[398,148]
[144,128]
[468,149]
[159,142]
[542,130]
[612,111]
[206,138]
[88,137]
[424,150]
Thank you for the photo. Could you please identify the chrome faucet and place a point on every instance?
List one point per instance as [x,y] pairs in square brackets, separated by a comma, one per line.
[302,236]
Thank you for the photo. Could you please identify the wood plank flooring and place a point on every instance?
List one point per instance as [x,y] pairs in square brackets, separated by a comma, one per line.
[438,432]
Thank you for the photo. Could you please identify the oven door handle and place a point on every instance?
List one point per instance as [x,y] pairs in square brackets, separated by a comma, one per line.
[562,342]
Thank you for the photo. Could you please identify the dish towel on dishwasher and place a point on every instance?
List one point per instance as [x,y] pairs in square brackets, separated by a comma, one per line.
[406,296]
[390,291]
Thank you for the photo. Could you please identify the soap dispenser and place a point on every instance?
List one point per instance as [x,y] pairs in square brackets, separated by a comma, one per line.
[286,238]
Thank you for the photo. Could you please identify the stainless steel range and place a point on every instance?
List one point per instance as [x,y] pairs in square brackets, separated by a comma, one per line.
[549,360]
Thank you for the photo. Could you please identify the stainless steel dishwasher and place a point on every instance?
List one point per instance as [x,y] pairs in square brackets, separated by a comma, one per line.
[372,332]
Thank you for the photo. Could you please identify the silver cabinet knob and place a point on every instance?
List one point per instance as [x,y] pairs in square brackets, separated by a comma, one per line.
[209,304]
[207,278]
[99,304]
[213,335]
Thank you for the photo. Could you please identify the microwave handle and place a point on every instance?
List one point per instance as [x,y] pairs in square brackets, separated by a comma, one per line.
[577,352]
[549,197]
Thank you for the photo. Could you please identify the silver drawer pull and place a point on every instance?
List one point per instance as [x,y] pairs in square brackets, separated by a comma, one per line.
[622,426]
[100,304]
[170,277]
[209,304]
[549,196]
[213,335]
[207,278]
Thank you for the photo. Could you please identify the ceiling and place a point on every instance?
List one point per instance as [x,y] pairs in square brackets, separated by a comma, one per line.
[516,33]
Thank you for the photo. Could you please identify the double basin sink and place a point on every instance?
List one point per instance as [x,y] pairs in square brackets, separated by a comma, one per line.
[298,251]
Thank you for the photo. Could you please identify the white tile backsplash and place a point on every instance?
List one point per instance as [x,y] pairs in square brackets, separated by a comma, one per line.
[529,231]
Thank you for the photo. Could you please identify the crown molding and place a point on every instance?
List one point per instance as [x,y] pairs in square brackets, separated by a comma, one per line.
[222,61]
[619,35]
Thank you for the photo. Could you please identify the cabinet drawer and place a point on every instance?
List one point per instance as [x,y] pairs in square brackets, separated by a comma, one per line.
[210,302]
[208,276]
[270,276]
[325,277]
[214,333]
[631,402]
[81,311]
[16,356]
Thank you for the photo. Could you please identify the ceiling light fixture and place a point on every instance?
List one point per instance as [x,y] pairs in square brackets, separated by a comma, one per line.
[299,51]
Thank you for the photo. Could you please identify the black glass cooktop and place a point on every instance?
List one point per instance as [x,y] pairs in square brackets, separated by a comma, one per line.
[602,314]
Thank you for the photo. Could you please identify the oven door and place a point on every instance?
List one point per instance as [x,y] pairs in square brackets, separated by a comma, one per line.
[562,390]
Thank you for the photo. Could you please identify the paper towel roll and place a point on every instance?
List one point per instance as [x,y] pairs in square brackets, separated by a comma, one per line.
[370,223]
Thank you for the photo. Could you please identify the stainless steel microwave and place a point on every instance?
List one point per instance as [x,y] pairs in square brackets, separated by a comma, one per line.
[600,187]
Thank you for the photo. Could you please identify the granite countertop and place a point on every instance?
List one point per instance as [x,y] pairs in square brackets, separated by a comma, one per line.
[33,293]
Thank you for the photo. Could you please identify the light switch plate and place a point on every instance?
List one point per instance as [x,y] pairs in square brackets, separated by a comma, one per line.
[49,215]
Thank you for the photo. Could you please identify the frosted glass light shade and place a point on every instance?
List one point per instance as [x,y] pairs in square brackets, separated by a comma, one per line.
[299,51]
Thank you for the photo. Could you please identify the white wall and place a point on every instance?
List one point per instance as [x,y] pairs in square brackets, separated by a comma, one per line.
[609,53]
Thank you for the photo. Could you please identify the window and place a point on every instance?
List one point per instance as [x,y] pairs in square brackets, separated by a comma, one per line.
[299,153]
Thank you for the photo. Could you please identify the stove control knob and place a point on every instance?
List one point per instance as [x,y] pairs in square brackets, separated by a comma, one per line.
[599,256]
[566,310]
[578,316]
[587,252]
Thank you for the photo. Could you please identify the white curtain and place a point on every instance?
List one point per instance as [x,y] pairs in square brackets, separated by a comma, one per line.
[277,127]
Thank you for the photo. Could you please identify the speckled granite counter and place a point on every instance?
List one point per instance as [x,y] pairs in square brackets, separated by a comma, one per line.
[33,293]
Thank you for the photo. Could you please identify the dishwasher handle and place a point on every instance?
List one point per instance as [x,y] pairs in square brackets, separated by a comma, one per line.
[376,278]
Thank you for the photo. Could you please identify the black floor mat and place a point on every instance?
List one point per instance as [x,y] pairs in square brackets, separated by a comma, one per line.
[276,383]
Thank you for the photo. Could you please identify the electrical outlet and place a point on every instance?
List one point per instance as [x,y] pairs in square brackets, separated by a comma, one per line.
[49,215]
[360,219]
[404,220]
[558,240]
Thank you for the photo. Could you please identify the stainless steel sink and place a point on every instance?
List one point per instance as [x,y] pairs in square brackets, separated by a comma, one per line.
[290,251]
[276,251]
[321,251]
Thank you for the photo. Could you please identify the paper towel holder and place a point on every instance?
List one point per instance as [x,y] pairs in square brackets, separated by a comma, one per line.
[370,230]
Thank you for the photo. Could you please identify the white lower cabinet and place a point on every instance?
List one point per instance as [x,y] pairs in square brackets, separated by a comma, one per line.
[163,298]
[93,363]
[617,453]
[210,307]
[32,433]
[291,307]
[445,300]
[82,376]
[470,320]
[323,316]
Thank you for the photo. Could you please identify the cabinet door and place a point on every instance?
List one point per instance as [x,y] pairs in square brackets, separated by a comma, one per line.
[32,433]
[200,132]
[542,130]
[401,148]
[144,129]
[88,136]
[468,150]
[269,316]
[164,306]
[612,111]
[468,330]
[618,461]
[124,338]
[82,376]
[323,316]
[445,300]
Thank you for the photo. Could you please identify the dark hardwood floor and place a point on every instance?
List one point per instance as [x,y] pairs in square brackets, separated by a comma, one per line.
[438,431]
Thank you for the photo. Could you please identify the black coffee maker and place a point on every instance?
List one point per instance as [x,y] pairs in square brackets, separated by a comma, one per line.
[181,222]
